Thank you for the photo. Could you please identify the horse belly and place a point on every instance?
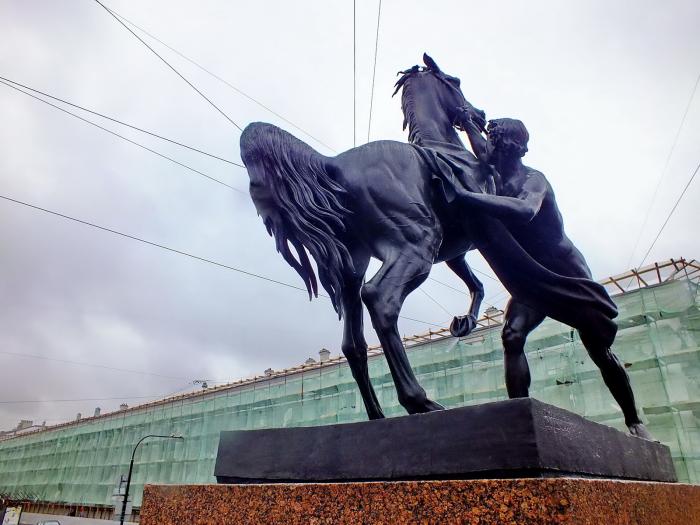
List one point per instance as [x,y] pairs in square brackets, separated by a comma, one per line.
[455,242]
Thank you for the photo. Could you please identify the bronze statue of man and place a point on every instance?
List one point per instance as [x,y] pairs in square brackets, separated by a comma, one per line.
[525,204]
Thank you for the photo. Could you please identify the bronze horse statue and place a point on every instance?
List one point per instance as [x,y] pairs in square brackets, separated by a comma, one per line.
[411,206]
[378,200]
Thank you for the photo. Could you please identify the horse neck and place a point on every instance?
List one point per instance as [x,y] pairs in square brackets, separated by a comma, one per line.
[427,121]
[424,131]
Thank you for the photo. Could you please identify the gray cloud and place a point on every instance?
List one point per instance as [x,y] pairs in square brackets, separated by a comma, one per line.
[601,86]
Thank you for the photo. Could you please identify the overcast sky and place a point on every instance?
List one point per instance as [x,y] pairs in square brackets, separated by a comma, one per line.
[602,87]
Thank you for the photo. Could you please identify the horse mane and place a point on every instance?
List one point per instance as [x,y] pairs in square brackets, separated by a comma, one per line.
[309,201]
[408,103]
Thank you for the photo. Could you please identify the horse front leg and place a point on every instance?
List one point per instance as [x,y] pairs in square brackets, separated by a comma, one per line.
[463,325]
[384,295]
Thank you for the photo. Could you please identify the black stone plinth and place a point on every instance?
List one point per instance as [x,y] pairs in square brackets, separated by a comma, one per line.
[507,439]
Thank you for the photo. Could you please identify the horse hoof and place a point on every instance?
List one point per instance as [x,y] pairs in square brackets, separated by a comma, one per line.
[462,326]
[639,430]
[422,406]
[432,406]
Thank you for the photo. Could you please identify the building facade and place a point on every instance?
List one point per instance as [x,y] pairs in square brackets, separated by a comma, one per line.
[78,463]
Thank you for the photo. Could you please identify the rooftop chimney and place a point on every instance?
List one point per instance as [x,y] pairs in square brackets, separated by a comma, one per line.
[269,372]
[123,406]
[97,411]
[310,361]
[78,416]
[493,316]
[24,423]
[324,354]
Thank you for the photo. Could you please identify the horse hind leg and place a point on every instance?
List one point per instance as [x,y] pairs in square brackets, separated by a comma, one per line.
[384,295]
[354,346]
[464,324]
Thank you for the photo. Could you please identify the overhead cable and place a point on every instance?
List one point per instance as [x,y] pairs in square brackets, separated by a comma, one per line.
[116,398]
[119,398]
[455,289]
[121,122]
[170,66]
[665,168]
[668,217]
[223,81]
[124,138]
[374,71]
[91,365]
[173,250]
[354,73]
[435,301]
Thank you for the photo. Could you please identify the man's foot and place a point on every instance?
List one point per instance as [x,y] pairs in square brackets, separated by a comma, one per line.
[375,413]
[639,430]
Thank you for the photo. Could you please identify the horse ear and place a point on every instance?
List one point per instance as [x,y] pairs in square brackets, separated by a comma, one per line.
[428,61]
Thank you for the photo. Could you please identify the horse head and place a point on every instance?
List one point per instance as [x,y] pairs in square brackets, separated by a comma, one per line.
[431,99]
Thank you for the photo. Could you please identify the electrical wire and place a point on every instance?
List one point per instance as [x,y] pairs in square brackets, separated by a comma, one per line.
[223,81]
[668,217]
[420,321]
[448,286]
[503,293]
[151,243]
[91,365]
[153,134]
[663,171]
[487,275]
[174,250]
[118,398]
[354,74]
[170,66]
[456,289]
[435,301]
[124,138]
[374,71]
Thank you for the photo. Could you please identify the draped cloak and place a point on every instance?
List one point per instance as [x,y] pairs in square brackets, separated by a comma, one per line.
[579,302]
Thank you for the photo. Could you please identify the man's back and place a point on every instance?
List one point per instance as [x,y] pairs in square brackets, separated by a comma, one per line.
[543,237]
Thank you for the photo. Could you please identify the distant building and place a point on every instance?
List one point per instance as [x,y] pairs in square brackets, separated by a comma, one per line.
[76,464]
[25,426]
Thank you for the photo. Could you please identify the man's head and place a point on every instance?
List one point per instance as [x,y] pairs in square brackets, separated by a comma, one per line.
[507,137]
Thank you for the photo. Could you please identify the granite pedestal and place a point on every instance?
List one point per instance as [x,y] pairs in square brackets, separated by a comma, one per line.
[505,439]
[511,462]
[571,501]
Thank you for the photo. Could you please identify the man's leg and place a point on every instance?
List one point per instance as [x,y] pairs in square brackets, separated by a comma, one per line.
[617,381]
[520,320]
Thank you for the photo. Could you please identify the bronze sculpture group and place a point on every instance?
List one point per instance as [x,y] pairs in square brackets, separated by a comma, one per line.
[414,205]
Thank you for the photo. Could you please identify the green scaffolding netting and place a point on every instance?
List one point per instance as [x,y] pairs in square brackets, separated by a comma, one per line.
[658,341]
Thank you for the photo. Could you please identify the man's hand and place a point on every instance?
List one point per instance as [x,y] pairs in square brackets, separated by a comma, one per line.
[470,115]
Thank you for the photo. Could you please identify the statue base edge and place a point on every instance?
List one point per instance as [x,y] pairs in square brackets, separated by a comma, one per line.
[516,438]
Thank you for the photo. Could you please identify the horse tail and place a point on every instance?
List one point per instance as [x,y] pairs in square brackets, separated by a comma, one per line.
[300,203]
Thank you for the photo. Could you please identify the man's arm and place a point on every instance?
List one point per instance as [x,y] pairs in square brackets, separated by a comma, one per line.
[466,123]
[477,140]
[522,208]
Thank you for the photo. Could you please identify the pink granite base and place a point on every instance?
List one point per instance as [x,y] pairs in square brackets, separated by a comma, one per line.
[498,501]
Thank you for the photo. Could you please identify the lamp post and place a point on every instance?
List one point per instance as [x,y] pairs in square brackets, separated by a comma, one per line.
[131,468]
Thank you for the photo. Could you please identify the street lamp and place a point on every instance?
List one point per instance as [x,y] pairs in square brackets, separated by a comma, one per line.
[131,468]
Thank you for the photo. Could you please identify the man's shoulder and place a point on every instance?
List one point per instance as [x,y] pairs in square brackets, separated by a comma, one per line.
[532,172]
[535,178]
